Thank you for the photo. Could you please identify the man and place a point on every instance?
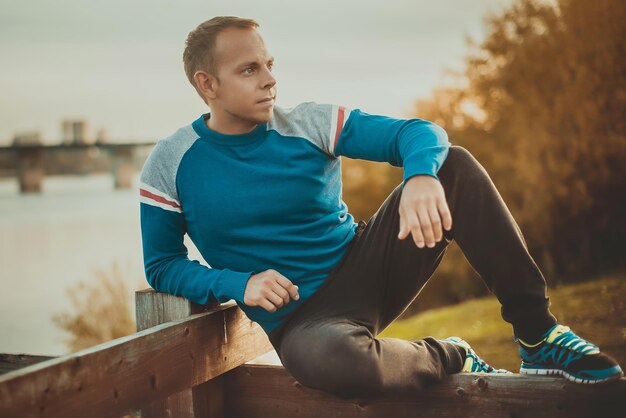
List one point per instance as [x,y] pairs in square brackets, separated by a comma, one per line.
[258,190]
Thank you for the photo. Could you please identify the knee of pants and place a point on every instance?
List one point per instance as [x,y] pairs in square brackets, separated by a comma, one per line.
[337,359]
[463,164]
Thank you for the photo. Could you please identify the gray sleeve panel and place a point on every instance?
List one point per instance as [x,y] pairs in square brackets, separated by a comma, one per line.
[317,123]
[158,174]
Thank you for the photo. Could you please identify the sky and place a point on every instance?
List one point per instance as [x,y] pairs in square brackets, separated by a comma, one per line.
[118,64]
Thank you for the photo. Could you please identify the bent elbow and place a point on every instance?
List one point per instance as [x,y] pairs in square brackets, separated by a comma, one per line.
[153,272]
[440,134]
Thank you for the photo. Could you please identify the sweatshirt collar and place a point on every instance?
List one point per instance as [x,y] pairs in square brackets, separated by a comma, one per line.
[206,133]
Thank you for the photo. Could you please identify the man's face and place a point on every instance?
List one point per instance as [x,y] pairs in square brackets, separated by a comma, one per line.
[244,70]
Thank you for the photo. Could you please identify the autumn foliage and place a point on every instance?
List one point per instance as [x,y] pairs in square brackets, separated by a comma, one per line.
[541,103]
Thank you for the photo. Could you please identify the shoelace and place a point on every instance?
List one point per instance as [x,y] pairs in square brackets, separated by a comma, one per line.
[564,348]
[482,364]
[573,342]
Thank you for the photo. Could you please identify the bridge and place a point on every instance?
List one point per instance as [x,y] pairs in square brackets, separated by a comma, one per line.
[30,161]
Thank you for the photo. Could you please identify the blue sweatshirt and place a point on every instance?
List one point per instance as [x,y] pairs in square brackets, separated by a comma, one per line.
[267,199]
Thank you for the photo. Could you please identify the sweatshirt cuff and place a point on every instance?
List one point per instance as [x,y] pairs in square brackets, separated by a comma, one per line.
[426,161]
[409,174]
[232,285]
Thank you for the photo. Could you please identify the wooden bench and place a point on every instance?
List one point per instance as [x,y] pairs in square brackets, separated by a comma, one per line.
[188,360]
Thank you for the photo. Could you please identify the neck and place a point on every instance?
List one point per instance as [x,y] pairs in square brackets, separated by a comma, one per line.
[232,127]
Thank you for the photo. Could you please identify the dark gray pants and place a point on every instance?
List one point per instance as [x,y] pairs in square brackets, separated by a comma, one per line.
[329,343]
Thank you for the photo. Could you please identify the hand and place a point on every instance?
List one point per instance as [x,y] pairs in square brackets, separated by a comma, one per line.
[423,209]
[269,290]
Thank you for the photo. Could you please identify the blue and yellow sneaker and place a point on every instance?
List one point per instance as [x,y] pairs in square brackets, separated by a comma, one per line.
[473,363]
[561,352]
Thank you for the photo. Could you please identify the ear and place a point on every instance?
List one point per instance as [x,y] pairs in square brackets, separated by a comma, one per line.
[206,83]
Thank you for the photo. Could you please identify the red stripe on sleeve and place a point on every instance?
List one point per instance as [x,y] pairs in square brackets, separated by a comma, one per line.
[160,199]
[340,117]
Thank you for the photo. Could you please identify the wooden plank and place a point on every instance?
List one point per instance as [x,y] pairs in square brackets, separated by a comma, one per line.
[254,390]
[206,400]
[126,373]
[10,362]
[154,308]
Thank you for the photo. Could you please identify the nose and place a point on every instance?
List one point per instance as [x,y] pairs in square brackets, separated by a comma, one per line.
[269,81]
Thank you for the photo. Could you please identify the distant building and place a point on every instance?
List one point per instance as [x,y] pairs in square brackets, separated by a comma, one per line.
[76,131]
[27,138]
[102,137]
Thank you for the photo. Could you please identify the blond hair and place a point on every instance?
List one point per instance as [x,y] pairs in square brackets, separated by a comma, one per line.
[200,45]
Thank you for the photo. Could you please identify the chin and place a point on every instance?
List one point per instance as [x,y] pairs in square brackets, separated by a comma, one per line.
[267,116]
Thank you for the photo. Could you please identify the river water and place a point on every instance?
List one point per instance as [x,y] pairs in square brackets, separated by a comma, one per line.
[54,240]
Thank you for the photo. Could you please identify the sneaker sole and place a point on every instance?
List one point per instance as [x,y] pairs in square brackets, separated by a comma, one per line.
[568,376]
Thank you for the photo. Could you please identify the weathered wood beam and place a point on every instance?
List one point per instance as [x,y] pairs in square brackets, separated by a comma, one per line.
[129,372]
[254,390]
[10,362]
[205,400]
[153,308]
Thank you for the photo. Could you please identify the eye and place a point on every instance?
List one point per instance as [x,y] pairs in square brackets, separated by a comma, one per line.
[246,70]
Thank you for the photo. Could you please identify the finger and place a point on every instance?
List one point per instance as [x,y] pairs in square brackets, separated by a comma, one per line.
[275,298]
[268,306]
[446,216]
[435,221]
[285,283]
[427,230]
[404,231]
[413,224]
[282,292]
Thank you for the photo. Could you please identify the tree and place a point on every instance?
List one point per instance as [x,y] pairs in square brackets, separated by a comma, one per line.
[542,106]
